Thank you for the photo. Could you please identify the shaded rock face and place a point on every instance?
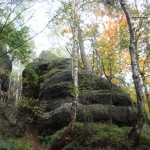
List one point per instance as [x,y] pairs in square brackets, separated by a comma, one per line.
[37,73]
[5,69]
[54,88]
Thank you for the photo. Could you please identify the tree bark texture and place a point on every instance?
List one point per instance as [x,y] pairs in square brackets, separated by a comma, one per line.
[74,65]
[146,90]
[137,128]
[86,64]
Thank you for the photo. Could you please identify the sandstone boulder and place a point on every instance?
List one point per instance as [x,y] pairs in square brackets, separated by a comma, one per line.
[96,112]
[52,84]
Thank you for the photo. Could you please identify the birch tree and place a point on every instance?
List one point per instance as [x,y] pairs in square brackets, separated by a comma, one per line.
[137,128]
[74,64]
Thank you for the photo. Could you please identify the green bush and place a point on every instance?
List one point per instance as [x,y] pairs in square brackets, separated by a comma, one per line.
[145,137]
[96,136]
[30,108]
[106,134]
[57,135]
[45,140]
[17,144]
[32,104]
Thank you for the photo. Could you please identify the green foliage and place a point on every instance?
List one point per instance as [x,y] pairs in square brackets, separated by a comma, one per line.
[16,144]
[30,108]
[17,39]
[57,135]
[109,135]
[33,104]
[49,140]
[52,72]
[79,126]
[45,140]
[35,74]
[31,76]
[145,140]
[97,136]
[146,130]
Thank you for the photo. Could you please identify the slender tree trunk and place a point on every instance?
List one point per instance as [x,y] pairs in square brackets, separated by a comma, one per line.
[1,99]
[93,59]
[120,58]
[74,65]
[86,64]
[146,90]
[99,63]
[137,128]
[144,80]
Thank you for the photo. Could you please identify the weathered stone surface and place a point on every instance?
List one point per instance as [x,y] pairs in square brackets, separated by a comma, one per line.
[55,103]
[96,112]
[60,86]
[54,89]
[37,71]
[104,97]
[60,63]
[5,69]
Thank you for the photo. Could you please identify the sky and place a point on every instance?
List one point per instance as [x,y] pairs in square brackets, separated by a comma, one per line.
[37,23]
[45,40]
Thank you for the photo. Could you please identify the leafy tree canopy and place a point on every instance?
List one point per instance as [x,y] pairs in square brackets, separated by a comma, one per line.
[14,36]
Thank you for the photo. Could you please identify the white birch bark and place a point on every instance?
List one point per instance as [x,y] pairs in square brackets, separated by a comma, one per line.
[146,90]
[74,65]
[137,128]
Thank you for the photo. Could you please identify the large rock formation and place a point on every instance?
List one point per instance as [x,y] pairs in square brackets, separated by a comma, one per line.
[51,82]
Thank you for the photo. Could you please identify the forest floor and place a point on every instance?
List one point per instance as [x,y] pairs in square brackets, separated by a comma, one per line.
[100,136]
[89,136]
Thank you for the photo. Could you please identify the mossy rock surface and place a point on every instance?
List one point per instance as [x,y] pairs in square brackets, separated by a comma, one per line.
[105,97]
[39,70]
[60,63]
[52,84]
[61,116]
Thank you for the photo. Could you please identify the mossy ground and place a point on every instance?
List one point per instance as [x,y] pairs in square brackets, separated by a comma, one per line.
[92,136]
[97,136]
[15,144]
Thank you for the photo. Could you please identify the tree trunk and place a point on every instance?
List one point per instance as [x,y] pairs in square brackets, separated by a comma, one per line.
[137,128]
[74,66]
[120,58]
[86,64]
[146,90]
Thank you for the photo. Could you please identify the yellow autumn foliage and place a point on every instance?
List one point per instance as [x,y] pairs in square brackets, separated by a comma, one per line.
[115,80]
